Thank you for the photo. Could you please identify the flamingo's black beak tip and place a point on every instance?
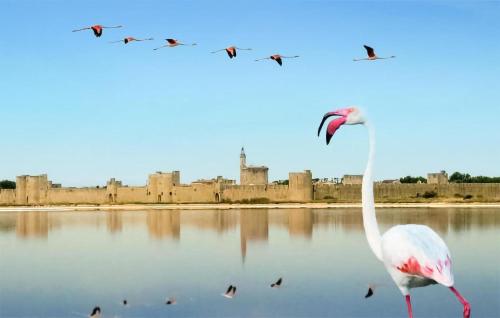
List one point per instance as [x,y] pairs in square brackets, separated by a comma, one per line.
[328,138]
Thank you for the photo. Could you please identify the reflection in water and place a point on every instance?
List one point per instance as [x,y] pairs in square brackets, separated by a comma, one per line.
[253,223]
[32,224]
[219,221]
[254,226]
[164,224]
[114,221]
[321,253]
[300,223]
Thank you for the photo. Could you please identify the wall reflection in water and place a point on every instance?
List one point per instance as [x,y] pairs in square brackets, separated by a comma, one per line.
[32,224]
[164,224]
[114,221]
[254,225]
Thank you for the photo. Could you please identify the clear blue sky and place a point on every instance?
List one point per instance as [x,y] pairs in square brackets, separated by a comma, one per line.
[83,110]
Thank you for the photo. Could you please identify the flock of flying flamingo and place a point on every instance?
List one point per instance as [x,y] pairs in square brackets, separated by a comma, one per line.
[414,255]
[231,50]
[230,293]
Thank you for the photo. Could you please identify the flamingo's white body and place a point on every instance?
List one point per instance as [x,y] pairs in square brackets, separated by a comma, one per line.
[414,255]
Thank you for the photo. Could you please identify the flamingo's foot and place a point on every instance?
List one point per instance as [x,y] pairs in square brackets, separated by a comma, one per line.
[466,310]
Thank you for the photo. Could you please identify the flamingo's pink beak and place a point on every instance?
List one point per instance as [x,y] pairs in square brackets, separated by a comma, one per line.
[334,125]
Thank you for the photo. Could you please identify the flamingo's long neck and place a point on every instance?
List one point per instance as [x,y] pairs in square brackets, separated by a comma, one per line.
[368,202]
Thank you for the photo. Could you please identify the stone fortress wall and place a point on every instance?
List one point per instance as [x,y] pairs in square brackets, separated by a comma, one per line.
[410,192]
[166,187]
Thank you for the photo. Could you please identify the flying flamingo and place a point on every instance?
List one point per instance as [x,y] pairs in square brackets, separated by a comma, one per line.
[98,29]
[231,51]
[171,301]
[96,312]
[278,58]
[372,56]
[414,255]
[231,292]
[173,43]
[131,39]
[277,284]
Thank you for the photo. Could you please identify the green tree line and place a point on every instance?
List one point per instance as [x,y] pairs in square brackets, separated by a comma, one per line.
[458,177]
[7,184]
[410,179]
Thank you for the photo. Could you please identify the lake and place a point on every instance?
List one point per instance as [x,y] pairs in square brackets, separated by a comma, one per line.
[61,264]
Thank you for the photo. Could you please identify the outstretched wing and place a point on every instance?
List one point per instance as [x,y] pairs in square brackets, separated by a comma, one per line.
[369,293]
[369,51]
[417,250]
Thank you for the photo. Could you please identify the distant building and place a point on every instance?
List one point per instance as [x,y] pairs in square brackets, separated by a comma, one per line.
[352,179]
[252,174]
[219,179]
[437,178]
[395,181]
[54,185]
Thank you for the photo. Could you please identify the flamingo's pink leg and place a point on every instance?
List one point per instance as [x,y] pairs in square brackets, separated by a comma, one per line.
[463,301]
[408,303]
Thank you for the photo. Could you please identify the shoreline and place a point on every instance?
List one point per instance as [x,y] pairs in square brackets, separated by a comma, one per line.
[225,206]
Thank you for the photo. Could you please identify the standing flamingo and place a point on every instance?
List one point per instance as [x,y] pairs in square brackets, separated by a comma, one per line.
[414,255]
[372,56]
[231,51]
[131,39]
[278,58]
[97,29]
[173,43]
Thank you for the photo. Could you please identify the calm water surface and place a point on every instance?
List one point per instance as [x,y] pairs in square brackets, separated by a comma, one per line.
[61,264]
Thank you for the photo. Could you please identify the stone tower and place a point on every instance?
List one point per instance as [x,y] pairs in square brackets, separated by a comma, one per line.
[243,159]
[251,175]
[160,186]
[31,189]
[300,188]
[112,190]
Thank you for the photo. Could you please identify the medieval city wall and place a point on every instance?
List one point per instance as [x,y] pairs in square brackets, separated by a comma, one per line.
[163,188]
[131,195]
[237,193]
[194,193]
[488,192]
[75,196]
[480,191]
[278,193]
[337,192]
[7,196]
[270,192]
